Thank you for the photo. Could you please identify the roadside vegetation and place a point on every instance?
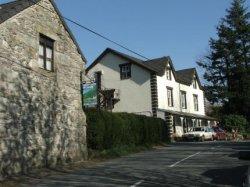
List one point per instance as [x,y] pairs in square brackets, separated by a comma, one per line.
[227,69]
[112,135]
[236,122]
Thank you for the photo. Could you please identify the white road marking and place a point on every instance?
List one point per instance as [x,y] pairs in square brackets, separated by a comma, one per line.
[183,159]
[138,183]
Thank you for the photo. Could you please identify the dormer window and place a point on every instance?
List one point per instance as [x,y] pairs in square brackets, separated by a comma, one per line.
[46,51]
[195,84]
[168,74]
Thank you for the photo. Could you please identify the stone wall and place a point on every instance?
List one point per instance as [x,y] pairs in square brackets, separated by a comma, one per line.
[41,118]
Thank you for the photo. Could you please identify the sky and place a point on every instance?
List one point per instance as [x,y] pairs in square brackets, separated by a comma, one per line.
[154,28]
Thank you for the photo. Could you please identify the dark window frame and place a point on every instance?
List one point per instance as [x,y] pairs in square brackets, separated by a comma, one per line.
[185,100]
[47,42]
[172,99]
[125,75]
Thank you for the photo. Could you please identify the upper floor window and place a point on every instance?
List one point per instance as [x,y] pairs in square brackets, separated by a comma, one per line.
[168,74]
[195,84]
[196,104]
[46,52]
[170,97]
[125,71]
[183,99]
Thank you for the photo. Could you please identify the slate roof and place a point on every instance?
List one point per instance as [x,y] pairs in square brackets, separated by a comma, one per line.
[187,114]
[129,58]
[185,75]
[10,9]
[157,66]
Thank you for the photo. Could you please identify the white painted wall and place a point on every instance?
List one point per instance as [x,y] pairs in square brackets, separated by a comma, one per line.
[190,101]
[135,93]
[163,83]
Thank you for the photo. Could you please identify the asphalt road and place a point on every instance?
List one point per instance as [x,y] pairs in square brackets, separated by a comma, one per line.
[179,164]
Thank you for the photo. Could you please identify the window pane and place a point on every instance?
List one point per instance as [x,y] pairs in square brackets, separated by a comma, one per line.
[48,65]
[168,74]
[183,100]
[41,62]
[170,99]
[49,53]
[196,107]
[41,51]
[125,71]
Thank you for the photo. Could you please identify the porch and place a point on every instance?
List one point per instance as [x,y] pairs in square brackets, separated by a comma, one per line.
[181,122]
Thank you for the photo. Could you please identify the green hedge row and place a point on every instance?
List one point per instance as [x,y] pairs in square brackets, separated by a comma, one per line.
[107,130]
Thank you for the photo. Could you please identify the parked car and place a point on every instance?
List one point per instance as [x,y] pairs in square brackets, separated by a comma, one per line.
[220,133]
[200,134]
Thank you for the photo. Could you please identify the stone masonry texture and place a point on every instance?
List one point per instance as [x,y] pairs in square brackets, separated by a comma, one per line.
[42,123]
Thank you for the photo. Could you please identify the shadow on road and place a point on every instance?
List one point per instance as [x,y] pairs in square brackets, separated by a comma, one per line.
[227,176]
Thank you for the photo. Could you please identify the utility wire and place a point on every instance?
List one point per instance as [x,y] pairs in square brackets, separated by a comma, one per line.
[94,32]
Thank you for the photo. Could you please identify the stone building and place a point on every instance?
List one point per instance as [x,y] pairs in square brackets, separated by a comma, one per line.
[41,118]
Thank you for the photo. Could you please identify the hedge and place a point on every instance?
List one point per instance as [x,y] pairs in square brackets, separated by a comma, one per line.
[107,130]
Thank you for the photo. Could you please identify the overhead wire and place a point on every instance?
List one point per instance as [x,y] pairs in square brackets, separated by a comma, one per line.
[94,32]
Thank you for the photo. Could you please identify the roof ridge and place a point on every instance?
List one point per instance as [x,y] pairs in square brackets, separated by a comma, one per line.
[166,57]
[186,69]
[108,48]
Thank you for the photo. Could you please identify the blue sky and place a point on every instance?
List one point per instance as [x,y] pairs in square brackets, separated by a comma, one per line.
[154,28]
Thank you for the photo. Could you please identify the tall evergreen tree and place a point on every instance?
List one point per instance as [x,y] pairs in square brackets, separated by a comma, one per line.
[227,66]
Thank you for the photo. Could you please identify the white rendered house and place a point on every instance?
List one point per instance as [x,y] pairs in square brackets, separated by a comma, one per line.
[152,88]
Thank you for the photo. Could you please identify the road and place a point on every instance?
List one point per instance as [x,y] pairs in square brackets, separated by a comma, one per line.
[179,164]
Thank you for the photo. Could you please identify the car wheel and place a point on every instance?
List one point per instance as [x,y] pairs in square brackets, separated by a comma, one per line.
[212,139]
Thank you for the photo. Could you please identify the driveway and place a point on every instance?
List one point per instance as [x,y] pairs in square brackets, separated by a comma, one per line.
[179,164]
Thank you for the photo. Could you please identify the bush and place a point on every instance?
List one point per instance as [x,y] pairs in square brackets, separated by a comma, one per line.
[109,131]
[235,122]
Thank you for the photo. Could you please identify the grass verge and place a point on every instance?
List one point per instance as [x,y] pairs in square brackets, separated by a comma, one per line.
[120,151]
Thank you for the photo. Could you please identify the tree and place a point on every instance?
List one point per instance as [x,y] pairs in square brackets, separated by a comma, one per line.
[235,122]
[227,65]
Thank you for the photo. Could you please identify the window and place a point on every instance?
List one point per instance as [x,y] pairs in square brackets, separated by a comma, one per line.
[183,100]
[46,53]
[125,71]
[170,97]
[196,106]
[168,74]
[195,84]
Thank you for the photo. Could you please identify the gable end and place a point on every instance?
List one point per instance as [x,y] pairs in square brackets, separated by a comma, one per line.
[8,10]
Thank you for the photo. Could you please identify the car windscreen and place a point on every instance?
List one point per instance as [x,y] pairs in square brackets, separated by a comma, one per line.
[198,129]
[217,129]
